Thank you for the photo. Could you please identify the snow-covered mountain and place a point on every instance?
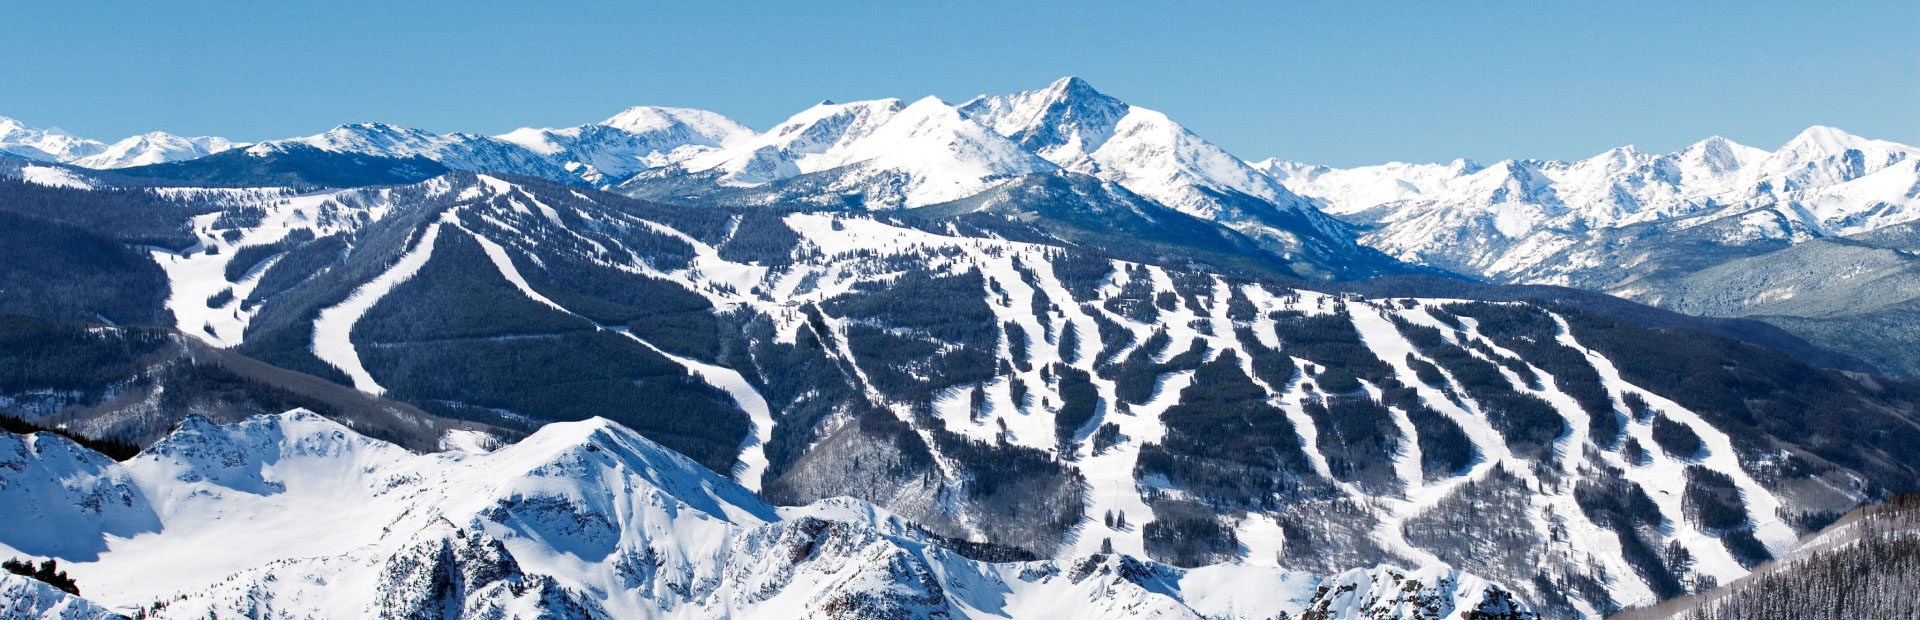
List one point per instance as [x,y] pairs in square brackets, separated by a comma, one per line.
[44,144]
[458,151]
[867,155]
[154,148]
[1715,228]
[639,138]
[1534,221]
[634,140]
[888,152]
[993,368]
[583,519]
[1008,390]
[59,146]
[1083,130]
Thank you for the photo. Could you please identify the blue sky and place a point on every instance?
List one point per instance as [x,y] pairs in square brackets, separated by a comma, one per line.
[1347,83]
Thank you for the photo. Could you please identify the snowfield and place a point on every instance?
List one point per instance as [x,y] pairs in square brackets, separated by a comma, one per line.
[582,519]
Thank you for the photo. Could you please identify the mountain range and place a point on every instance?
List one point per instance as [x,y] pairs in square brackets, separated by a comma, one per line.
[1714,229]
[1811,237]
[906,360]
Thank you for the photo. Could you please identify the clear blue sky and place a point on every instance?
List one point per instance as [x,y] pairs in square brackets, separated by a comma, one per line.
[1341,83]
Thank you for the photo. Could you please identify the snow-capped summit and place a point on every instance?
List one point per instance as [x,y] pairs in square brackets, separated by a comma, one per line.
[44,144]
[1823,156]
[692,126]
[807,142]
[636,139]
[1718,156]
[59,146]
[915,155]
[1065,122]
[1510,220]
[154,148]
[1083,130]
[458,151]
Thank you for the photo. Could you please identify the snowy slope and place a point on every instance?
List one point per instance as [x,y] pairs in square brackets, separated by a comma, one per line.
[154,148]
[913,155]
[680,125]
[639,138]
[636,139]
[1083,130]
[23,598]
[586,519]
[1528,220]
[44,144]
[58,146]
[458,151]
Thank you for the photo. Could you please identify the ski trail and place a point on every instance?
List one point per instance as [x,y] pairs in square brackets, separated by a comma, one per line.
[753,457]
[1665,478]
[333,330]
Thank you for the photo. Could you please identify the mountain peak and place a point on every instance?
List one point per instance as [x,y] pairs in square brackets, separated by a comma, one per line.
[1073,85]
[1719,155]
[44,143]
[1714,142]
[376,127]
[678,122]
[1064,122]
[1824,139]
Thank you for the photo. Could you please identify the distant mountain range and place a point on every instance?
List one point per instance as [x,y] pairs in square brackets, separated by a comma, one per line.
[1696,230]
[59,146]
[1813,237]
[870,155]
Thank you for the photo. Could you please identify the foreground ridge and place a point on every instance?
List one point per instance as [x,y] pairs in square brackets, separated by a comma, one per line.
[584,519]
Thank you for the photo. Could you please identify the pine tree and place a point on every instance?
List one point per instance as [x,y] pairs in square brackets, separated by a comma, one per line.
[49,572]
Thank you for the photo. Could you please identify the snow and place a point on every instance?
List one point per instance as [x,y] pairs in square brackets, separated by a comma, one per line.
[1665,478]
[53,177]
[457,151]
[807,142]
[195,275]
[1083,130]
[466,440]
[24,598]
[155,148]
[59,146]
[753,460]
[718,130]
[620,521]
[937,154]
[1511,220]
[332,330]
[637,139]
[44,144]
[777,292]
